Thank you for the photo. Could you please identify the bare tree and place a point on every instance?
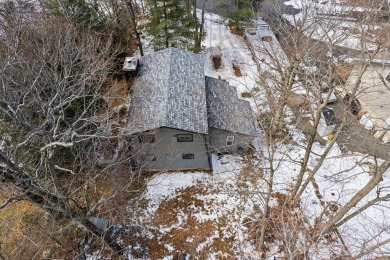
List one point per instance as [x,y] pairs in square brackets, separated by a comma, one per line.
[133,20]
[53,117]
[295,82]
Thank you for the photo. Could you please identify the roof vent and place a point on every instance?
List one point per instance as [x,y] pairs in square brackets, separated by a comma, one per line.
[130,64]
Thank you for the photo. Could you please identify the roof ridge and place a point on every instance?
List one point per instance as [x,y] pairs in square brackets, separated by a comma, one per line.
[170,92]
[168,82]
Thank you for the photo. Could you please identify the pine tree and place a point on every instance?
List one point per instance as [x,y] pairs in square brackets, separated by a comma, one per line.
[171,25]
[80,12]
[108,17]
[239,10]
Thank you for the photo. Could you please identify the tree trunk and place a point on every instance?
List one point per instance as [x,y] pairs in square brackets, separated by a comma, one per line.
[166,25]
[194,16]
[298,184]
[134,25]
[260,245]
[360,210]
[374,181]
[278,118]
[372,249]
[142,7]
[201,29]
[188,7]
[306,157]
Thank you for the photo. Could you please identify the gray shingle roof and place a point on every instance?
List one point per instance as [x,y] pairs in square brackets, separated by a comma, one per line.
[170,92]
[226,111]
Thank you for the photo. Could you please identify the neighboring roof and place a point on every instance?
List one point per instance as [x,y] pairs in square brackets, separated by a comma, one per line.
[382,57]
[226,110]
[373,91]
[169,92]
[329,116]
[337,52]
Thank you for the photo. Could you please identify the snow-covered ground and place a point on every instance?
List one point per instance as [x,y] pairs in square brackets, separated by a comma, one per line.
[326,6]
[341,176]
[322,21]
[216,202]
[233,50]
[213,202]
[203,214]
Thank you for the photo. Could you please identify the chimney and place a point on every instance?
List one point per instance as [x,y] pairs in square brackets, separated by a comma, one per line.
[130,64]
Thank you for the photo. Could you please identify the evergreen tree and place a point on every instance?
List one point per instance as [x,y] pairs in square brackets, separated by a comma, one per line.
[171,25]
[80,12]
[109,17]
[239,10]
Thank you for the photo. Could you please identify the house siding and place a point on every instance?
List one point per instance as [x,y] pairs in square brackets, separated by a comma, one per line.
[168,152]
[217,139]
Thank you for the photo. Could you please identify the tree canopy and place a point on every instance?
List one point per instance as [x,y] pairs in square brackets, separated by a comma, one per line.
[171,24]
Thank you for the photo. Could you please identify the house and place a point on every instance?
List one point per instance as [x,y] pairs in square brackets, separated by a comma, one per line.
[230,119]
[373,93]
[327,122]
[178,116]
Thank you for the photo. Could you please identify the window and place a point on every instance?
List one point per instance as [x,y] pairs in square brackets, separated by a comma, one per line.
[388,77]
[185,138]
[146,138]
[230,140]
[355,105]
[148,157]
[188,156]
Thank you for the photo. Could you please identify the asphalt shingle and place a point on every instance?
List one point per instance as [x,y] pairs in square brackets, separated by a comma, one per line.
[226,111]
[170,92]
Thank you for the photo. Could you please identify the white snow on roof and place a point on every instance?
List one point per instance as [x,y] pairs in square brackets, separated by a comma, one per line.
[323,22]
